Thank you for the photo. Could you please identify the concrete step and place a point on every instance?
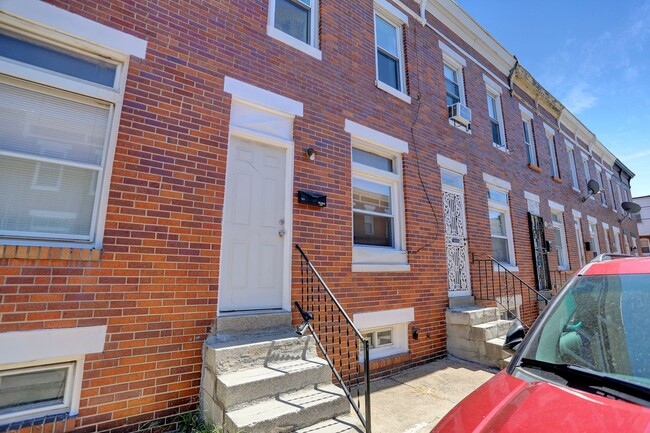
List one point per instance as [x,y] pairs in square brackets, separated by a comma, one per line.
[489,330]
[288,412]
[505,363]
[471,315]
[494,349]
[253,384]
[226,353]
[337,425]
[253,321]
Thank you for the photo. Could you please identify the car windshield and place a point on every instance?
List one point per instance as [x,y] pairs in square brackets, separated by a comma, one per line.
[600,323]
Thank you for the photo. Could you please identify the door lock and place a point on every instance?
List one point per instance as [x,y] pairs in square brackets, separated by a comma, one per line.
[282,232]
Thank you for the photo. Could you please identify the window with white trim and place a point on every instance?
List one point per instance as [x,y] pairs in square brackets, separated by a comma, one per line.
[608,248]
[559,236]
[377,205]
[626,244]
[572,167]
[295,22]
[503,249]
[577,225]
[550,142]
[593,235]
[601,180]
[618,191]
[645,246]
[529,140]
[496,119]
[610,186]
[56,139]
[617,240]
[34,390]
[386,331]
[585,169]
[635,249]
[389,52]
[453,84]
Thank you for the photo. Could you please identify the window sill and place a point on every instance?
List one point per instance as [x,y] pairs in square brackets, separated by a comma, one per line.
[293,42]
[535,168]
[511,268]
[577,190]
[503,149]
[50,253]
[381,267]
[556,179]
[396,93]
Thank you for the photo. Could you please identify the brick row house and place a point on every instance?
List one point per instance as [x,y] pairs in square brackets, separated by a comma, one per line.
[151,159]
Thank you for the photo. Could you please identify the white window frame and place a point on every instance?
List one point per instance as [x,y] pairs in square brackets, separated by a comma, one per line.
[44,23]
[312,48]
[645,243]
[563,262]
[527,125]
[601,181]
[397,19]
[608,247]
[72,392]
[620,194]
[593,235]
[550,145]
[571,154]
[532,201]
[626,244]
[395,320]
[610,187]
[577,226]
[587,172]
[617,240]
[504,187]
[496,97]
[375,258]
[457,63]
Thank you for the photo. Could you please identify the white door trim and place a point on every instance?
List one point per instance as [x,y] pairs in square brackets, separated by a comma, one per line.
[267,118]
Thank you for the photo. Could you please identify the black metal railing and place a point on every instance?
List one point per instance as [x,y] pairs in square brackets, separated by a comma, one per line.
[559,279]
[345,349]
[497,283]
[59,423]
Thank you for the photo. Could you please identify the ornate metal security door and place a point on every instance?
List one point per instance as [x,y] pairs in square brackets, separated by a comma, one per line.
[456,243]
[540,253]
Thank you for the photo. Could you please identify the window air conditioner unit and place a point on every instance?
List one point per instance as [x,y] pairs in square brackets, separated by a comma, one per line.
[460,113]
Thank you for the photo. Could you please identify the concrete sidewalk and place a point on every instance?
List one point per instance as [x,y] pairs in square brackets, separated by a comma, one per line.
[414,400]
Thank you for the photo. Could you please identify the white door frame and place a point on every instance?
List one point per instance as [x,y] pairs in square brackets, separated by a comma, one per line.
[288,146]
[461,193]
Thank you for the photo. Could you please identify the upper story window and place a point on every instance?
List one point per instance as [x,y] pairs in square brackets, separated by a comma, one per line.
[601,180]
[389,49]
[577,225]
[496,119]
[610,187]
[377,201]
[585,169]
[550,142]
[295,22]
[60,106]
[452,85]
[572,167]
[593,235]
[531,154]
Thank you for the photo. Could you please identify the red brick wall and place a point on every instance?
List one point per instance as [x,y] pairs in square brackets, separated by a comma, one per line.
[155,286]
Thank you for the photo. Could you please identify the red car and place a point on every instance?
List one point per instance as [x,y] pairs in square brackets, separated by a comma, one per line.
[584,366]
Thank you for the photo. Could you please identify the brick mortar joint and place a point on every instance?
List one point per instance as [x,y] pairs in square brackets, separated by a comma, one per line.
[50,253]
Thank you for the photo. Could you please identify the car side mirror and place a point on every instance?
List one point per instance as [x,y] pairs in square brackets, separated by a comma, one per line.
[515,336]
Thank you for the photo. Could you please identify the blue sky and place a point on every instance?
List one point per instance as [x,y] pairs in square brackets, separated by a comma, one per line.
[594,56]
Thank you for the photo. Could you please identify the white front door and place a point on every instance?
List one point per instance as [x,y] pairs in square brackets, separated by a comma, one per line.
[253,231]
[456,242]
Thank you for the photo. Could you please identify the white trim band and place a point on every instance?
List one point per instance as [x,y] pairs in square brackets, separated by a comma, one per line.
[495,181]
[25,346]
[245,92]
[450,164]
[375,137]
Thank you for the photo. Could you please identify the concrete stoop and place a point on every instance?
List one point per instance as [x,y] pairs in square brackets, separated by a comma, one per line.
[476,333]
[267,381]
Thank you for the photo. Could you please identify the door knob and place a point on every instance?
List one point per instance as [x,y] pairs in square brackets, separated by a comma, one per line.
[282,232]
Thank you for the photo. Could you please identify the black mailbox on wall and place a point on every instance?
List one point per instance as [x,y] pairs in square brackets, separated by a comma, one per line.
[312,198]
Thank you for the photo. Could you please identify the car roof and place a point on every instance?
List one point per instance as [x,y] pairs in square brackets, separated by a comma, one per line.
[617,266]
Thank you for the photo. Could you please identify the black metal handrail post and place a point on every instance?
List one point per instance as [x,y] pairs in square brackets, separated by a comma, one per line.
[308,316]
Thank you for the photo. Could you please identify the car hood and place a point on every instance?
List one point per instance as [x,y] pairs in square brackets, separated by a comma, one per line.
[506,404]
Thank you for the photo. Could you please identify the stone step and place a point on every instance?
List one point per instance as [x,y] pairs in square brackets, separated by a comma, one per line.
[288,412]
[494,348]
[489,330]
[226,353]
[334,426]
[471,315]
[253,384]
